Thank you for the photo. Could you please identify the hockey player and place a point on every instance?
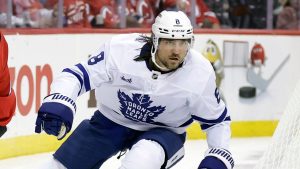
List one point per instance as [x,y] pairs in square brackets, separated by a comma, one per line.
[7,95]
[149,90]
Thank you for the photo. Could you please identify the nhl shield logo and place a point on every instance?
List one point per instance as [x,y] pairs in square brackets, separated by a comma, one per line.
[177,21]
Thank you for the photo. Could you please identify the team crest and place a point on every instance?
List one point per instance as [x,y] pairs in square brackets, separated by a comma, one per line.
[138,107]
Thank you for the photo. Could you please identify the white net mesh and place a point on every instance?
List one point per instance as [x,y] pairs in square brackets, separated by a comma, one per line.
[284,150]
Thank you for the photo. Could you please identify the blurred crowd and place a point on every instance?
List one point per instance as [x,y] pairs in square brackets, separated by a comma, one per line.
[141,13]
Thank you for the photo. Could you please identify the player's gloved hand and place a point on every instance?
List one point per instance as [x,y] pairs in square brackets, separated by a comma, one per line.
[52,125]
[55,116]
[217,158]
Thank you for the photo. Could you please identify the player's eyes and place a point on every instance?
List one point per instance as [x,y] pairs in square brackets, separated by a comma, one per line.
[176,42]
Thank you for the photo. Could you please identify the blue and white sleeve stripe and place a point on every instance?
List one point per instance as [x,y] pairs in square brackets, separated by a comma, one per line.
[86,78]
[82,76]
[205,123]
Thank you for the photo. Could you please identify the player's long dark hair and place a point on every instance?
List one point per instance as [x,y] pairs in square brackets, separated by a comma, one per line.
[145,53]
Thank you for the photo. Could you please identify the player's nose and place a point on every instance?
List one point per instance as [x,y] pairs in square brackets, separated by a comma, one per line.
[176,48]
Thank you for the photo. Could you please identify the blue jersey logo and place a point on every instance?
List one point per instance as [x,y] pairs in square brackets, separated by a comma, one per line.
[138,107]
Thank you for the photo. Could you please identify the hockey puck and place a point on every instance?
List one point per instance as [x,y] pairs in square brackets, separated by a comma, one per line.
[3,129]
[247,92]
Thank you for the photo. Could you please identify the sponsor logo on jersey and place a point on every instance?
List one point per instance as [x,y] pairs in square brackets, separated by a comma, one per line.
[126,80]
[138,107]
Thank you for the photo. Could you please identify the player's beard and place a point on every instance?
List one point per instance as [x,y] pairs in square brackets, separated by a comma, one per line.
[172,62]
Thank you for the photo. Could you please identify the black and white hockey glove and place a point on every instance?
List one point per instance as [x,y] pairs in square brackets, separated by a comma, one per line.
[55,116]
[217,158]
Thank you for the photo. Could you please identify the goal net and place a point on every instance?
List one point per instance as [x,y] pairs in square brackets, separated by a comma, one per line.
[284,149]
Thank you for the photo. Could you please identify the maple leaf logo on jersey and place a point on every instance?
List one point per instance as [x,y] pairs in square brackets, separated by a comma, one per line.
[138,107]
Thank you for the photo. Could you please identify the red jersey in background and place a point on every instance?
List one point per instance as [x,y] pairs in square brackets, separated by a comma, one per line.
[142,11]
[104,13]
[7,95]
[75,12]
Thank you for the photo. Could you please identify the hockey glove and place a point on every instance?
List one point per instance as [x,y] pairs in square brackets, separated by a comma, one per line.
[55,116]
[217,158]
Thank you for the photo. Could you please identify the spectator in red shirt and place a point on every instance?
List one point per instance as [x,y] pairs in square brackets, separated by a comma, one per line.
[29,10]
[16,21]
[205,18]
[103,13]
[141,13]
[75,13]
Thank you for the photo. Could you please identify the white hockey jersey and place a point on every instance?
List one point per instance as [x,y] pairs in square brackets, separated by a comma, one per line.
[132,95]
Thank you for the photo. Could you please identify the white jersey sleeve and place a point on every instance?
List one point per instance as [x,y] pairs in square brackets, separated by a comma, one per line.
[209,109]
[84,76]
